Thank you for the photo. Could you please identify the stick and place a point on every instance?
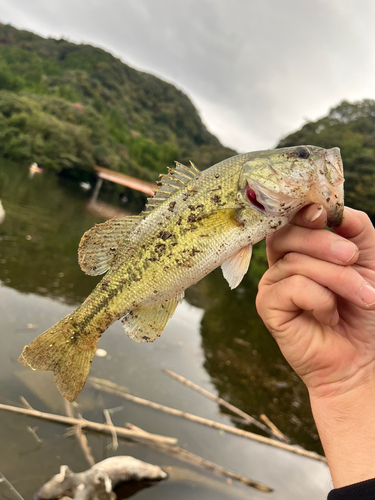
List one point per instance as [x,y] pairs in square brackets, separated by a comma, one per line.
[187,456]
[25,403]
[222,402]
[274,429]
[94,426]
[207,422]
[32,431]
[197,460]
[114,435]
[10,486]
[82,439]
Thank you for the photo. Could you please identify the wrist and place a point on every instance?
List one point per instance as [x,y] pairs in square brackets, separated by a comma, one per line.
[346,425]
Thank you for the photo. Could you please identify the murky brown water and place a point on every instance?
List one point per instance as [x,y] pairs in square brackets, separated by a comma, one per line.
[215,339]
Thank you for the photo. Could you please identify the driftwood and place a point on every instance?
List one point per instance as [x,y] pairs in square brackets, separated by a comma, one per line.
[98,482]
[87,424]
[273,431]
[146,439]
[207,422]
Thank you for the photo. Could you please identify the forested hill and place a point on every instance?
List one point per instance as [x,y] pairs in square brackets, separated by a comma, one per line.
[71,106]
[351,127]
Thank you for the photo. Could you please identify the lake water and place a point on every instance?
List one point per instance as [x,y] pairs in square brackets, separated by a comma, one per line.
[214,339]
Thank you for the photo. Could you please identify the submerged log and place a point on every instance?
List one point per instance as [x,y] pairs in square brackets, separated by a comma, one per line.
[99,482]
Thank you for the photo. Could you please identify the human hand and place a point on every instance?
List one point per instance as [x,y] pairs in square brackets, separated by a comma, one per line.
[317,300]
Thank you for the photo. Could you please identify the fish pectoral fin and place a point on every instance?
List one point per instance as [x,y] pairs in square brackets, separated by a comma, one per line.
[99,245]
[145,325]
[235,268]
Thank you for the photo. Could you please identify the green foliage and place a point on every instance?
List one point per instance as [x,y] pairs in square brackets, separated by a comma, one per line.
[73,106]
[351,127]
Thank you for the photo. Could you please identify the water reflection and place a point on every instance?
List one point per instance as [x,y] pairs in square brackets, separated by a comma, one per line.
[215,339]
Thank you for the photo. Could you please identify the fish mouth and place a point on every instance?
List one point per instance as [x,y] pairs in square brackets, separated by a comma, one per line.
[252,197]
[329,191]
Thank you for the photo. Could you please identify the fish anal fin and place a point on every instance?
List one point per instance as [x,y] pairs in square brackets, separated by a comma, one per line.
[147,324]
[99,245]
[64,352]
[235,268]
[176,179]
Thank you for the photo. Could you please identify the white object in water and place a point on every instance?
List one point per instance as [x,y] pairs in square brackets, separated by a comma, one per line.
[85,185]
[2,213]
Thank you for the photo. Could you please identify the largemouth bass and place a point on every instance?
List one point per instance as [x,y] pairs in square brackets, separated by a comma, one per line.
[196,222]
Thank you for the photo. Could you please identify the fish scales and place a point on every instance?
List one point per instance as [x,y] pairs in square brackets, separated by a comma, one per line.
[196,222]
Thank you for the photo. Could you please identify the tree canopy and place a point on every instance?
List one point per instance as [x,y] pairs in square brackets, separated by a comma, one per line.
[72,106]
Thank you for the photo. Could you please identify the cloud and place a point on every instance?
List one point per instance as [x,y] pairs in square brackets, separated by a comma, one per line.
[255,70]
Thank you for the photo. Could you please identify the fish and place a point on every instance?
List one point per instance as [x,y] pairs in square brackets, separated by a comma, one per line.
[195,222]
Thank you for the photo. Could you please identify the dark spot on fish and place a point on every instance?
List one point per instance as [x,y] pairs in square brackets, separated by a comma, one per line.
[179,221]
[158,183]
[216,199]
[217,176]
[164,235]
[328,200]
[193,218]
[155,291]
[145,338]
[171,206]
[174,244]
[104,286]
[137,279]
[321,172]
[191,207]
[94,268]
[194,251]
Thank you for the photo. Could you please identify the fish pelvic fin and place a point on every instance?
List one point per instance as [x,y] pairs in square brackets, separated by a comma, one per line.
[235,268]
[64,352]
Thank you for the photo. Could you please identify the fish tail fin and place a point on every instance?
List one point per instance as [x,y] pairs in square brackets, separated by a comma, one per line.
[65,352]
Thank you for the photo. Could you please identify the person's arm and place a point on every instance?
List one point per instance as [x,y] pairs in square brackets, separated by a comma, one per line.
[317,300]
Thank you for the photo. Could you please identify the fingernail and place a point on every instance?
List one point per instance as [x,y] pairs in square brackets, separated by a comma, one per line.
[367,294]
[313,213]
[343,251]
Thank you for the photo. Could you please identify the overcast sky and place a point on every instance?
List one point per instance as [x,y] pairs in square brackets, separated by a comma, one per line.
[255,69]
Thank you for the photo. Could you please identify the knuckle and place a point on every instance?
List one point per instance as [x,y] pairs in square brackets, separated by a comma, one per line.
[291,260]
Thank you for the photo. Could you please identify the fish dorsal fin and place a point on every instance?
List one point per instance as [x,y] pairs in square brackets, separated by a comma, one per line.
[176,179]
[98,247]
[235,268]
[146,324]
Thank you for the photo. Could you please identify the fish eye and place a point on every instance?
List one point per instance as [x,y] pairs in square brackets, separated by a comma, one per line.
[301,152]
